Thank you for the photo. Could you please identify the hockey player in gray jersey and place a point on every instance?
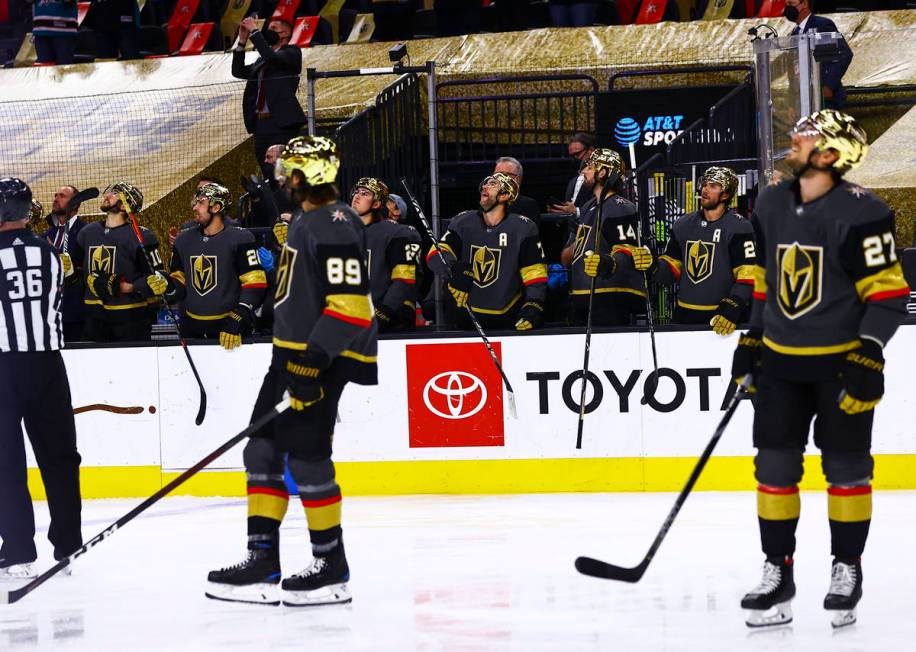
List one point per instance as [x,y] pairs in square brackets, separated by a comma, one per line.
[215,270]
[496,260]
[618,263]
[829,293]
[710,254]
[324,337]
[393,251]
[121,290]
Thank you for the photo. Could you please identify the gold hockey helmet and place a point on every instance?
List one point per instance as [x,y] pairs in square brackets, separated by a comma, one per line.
[36,212]
[215,194]
[837,131]
[725,177]
[606,159]
[314,156]
[130,191]
[377,186]
[504,182]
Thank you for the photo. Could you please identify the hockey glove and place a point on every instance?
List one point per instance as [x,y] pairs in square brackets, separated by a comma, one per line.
[748,358]
[530,316]
[862,376]
[67,264]
[158,284]
[233,325]
[727,316]
[384,315]
[598,265]
[281,231]
[460,285]
[103,285]
[642,258]
[303,378]
[664,275]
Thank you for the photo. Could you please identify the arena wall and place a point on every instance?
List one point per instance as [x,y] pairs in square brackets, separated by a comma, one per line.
[438,421]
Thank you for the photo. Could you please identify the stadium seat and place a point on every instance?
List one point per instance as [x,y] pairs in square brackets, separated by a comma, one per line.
[179,22]
[286,10]
[26,55]
[627,10]
[771,8]
[718,9]
[82,8]
[304,31]
[232,16]
[363,28]
[196,38]
[651,12]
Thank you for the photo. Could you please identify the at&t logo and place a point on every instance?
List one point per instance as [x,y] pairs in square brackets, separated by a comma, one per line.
[655,130]
[454,395]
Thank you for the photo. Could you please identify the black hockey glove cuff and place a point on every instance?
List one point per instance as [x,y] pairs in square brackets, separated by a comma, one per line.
[461,283]
[103,285]
[384,315]
[862,376]
[303,373]
[233,325]
[748,358]
[728,316]
[530,316]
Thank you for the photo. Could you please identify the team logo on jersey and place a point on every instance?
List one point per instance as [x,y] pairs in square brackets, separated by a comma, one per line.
[203,273]
[582,234]
[285,274]
[700,258]
[800,274]
[485,265]
[102,258]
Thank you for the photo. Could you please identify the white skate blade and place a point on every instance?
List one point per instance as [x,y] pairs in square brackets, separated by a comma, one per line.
[843,618]
[331,594]
[262,593]
[778,614]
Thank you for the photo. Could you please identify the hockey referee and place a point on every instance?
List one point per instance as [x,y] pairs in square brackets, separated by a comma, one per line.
[33,389]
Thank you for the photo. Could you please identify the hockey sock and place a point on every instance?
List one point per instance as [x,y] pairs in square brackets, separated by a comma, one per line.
[267,502]
[320,495]
[778,509]
[849,510]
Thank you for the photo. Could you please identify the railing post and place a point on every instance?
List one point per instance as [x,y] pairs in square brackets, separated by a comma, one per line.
[434,174]
[310,99]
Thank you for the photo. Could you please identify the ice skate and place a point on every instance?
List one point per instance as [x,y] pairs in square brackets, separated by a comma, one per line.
[844,593]
[17,572]
[253,580]
[769,602]
[324,582]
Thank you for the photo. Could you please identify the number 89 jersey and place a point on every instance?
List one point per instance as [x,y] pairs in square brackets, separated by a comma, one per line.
[827,271]
[322,297]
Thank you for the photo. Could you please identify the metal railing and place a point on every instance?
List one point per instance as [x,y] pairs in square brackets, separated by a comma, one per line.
[668,72]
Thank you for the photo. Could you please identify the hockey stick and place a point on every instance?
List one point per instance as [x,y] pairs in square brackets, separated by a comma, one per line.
[510,394]
[588,320]
[651,383]
[604,570]
[9,597]
[202,409]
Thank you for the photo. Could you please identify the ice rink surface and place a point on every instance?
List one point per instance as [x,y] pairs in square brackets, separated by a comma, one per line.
[470,573]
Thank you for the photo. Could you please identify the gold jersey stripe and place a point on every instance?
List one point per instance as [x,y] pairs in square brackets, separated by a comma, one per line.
[205,317]
[503,311]
[674,262]
[253,277]
[534,273]
[888,281]
[745,273]
[810,350]
[123,306]
[404,273]
[178,276]
[355,306]
[694,306]
[302,346]
[760,281]
[639,293]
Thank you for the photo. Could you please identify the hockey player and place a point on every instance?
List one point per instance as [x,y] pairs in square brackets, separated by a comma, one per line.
[33,389]
[324,337]
[496,261]
[393,251]
[828,295]
[618,263]
[710,253]
[227,282]
[121,289]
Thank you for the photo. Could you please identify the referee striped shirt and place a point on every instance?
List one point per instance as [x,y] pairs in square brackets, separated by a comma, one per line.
[31,288]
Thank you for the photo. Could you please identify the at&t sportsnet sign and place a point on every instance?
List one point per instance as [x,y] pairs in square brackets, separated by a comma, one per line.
[653,130]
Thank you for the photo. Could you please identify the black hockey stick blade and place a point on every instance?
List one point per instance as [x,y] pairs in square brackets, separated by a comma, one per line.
[202,409]
[650,387]
[9,597]
[81,196]
[606,571]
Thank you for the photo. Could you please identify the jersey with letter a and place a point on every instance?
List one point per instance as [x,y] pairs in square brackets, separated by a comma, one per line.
[506,260]
[393,252]
[711,260]
[827,275]
[218,271]
[619,229]
[31,288]
[322,297]
[116,251]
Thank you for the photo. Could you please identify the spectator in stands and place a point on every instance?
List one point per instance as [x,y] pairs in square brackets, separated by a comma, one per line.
[269,105]
[397,208]
[523,205]
[54,30]
[578,190]
[116,24]
[64,226]
[801,12]
[572,13]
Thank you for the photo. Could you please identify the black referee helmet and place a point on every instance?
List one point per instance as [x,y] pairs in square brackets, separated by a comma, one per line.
[15,200]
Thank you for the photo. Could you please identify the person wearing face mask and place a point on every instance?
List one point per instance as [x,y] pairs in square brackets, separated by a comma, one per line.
[710,254]
[216,271]
[270,109]
[801,12]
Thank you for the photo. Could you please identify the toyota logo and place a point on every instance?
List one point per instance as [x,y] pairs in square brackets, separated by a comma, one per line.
[457,387]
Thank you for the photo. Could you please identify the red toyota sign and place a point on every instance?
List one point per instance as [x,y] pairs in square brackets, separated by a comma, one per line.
[454,395]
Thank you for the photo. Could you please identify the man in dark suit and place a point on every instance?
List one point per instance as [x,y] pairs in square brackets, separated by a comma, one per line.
[269,106]
[801,13]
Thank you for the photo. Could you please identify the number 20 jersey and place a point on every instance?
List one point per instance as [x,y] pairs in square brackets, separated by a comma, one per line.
[322,297]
